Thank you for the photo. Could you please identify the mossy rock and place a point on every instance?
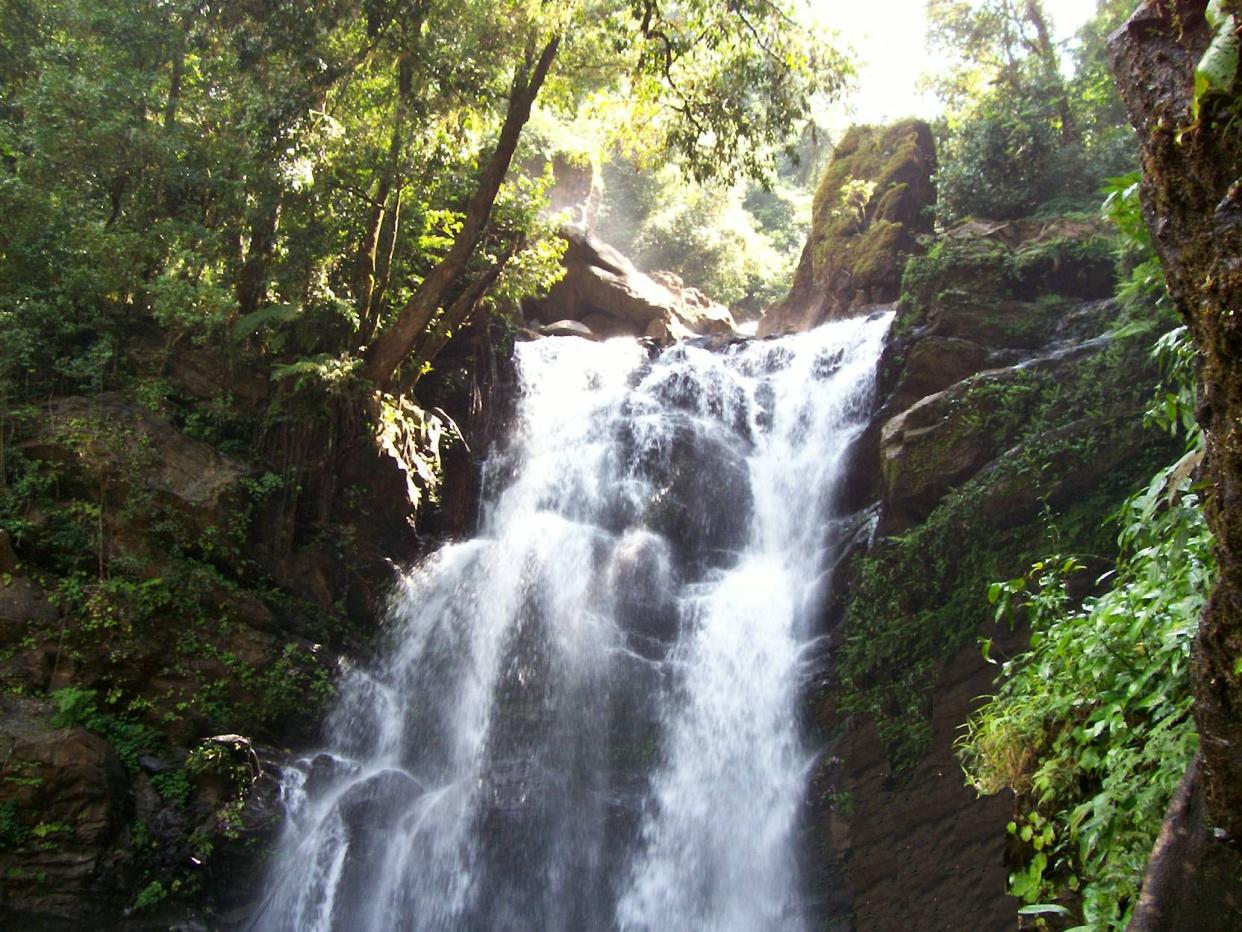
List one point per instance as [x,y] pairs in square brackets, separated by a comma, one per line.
[1047,451]
[1073,262]
[1078,268]
[871,206]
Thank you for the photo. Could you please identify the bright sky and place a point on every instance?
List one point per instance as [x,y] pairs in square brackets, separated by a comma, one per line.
[888,37]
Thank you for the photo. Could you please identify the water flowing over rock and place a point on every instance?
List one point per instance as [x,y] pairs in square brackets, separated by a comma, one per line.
[586,717]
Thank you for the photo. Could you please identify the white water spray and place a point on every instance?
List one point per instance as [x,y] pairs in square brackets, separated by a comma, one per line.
[586,717]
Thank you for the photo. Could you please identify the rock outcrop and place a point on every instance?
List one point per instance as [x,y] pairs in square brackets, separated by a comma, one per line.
[77,853]
[1006,413]
[173,567]
[871,206]
[603,292]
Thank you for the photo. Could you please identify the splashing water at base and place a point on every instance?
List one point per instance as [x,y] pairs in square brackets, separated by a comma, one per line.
[586,716]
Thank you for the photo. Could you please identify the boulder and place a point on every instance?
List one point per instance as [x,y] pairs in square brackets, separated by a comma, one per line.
[23,603]
[1039,270]
[932,365]
[112,441]
[871,206]
[373,806]
[702,496]
[1019,325]
[567,328]
[927,450]
[603,291]
[67,802]
[945,439]
[695,311]
[642,587]
[8,559]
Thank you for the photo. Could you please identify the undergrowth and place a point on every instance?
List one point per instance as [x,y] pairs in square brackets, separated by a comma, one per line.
[1092,726]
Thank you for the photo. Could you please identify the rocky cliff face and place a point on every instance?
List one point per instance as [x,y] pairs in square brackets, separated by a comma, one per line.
[870,208]
[178,576]
[1010,415]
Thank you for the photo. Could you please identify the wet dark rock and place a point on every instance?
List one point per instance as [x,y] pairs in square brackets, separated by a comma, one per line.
[70,782]
[8,559]
[643,589]
[376,803]
[933,364]
[324,769]
[23,607]
[997,325]
[702,499]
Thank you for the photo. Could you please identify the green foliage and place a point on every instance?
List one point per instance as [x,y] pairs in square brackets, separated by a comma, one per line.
[738,243]
[978,268]
[13,829]
[173,786]
[915,599]
[1092,725]
[1021,132]
[1217,70]
[149,896]
[1007,157]
[76,706]
[1142,285]
[279,180]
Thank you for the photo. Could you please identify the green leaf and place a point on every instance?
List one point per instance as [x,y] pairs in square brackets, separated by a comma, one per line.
[1215,14]
[1218,67]
[1041,909]
[252,323]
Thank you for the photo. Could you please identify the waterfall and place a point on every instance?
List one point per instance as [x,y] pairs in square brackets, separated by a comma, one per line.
[586,717]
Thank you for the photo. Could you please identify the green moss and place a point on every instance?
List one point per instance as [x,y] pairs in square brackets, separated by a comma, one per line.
[873,252]
[986,268]
[977,266]
[916,599]
[857,228]
[1084,268]
[886,207]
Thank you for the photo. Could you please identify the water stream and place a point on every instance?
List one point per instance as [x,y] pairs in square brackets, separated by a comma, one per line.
[586,717]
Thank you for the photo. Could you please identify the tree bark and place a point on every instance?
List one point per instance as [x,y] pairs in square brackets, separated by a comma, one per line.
[1192,195]
[396,341]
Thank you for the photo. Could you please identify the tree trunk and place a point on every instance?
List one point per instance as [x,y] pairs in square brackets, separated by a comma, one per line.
[252,283]
[368,260]
[397,340]
[1192,195]
[1048,54]
[455,316]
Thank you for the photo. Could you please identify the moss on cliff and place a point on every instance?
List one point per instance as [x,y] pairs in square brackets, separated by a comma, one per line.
[871,204]
[1073,449]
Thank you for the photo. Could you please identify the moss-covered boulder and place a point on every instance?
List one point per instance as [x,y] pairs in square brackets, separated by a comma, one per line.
[871,206]
[937,444]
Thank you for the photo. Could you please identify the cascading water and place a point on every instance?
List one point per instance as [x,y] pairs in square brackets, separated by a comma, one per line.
[586,717]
